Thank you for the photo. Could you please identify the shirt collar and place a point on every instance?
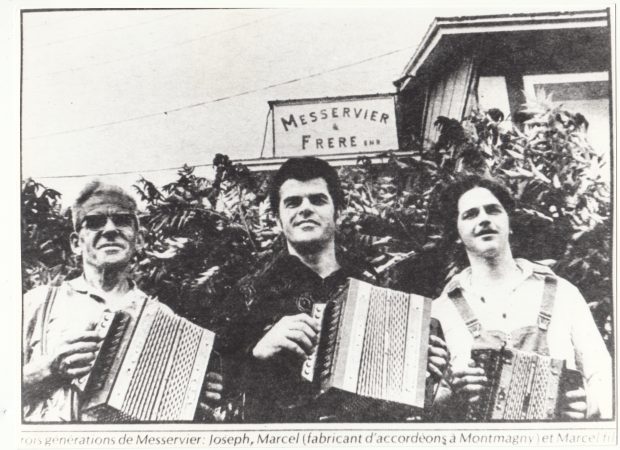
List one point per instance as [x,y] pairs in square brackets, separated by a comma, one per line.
[291,266]
[80,286]
[462,280]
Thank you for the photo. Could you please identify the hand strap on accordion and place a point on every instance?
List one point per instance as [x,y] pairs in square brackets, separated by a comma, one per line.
[548,300]
[467,314]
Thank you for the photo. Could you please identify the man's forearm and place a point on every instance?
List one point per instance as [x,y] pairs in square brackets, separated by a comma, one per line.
[441,403]
[38,380]
[447,405]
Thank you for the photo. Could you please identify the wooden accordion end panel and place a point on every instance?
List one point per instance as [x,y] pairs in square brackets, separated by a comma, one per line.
[522,385]
[373,344]
[148,369]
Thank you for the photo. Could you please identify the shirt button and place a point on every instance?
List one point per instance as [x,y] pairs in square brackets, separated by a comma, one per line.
[504,315]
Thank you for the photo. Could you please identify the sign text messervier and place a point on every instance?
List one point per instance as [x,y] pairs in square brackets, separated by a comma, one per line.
[334,125]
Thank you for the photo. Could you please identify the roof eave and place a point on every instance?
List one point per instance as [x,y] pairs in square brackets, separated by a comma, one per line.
[493,24]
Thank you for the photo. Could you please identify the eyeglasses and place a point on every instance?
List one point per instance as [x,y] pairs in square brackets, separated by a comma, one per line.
[96,222]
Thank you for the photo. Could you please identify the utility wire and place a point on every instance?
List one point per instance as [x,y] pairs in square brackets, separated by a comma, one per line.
[152,170]
[220,99]
[155,50]
[105,174]
[82,36]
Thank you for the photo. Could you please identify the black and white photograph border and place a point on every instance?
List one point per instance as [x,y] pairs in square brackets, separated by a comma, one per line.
[182,113]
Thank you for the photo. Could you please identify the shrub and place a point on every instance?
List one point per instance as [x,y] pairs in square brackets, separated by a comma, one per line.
[202,236]
[46,252]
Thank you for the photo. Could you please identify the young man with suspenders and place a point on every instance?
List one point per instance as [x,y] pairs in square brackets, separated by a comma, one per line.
[501,300]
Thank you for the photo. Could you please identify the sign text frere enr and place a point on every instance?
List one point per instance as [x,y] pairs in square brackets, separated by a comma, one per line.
[335,125]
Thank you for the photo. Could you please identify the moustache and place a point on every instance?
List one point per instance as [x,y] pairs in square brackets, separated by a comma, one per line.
[486,231]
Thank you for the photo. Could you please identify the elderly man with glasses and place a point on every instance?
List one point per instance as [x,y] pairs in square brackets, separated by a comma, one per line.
[60,342]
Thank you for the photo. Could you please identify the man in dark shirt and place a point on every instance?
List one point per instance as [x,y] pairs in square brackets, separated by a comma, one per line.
[269,330]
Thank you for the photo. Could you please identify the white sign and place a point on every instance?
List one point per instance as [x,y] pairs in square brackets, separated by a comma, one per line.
[334,125]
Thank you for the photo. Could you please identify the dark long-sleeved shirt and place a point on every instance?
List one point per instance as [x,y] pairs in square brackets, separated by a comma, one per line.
[274,390]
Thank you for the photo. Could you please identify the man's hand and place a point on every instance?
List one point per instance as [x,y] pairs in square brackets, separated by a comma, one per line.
[575,405]
[75,356]
[72,359]
[212,394]
[214,388]
[469,382]
[291,334]
[438,357]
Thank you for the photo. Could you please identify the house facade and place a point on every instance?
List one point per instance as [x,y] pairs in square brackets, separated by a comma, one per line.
[462,63]
[503,61]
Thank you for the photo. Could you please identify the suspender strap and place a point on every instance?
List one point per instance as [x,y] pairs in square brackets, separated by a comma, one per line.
[548,299]
[44,317]
[46,311]
[467,314]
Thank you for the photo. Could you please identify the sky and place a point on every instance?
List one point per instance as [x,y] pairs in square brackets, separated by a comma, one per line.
[119,94]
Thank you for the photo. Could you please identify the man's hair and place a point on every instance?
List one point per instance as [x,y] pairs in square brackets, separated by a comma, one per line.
[448,205]
[107,193]
[304,169]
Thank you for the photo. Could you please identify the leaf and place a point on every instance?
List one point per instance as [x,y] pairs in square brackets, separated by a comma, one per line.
[538,174]
[533,212]
[514,154]
[394,258]
[169,253]
[524,172]
[207,275]
[401,164]
[512,173]
[486,149]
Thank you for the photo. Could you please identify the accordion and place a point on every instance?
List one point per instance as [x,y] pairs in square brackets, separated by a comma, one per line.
[373,344]
[149,368]
[522,385]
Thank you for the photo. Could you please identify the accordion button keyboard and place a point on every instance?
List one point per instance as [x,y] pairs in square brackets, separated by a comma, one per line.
[501,395]
[308,366]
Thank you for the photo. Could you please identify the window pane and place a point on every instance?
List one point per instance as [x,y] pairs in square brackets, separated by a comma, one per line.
[493,93]
[575,91]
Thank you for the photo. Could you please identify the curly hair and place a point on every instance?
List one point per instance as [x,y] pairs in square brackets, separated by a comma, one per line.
[304,169]
[448,200]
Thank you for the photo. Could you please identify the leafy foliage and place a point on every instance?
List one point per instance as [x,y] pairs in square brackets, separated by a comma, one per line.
[202,236]
[46,251]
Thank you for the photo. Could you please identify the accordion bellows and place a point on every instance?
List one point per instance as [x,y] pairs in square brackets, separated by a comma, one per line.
[148,369]
[373,343]
[522,385]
